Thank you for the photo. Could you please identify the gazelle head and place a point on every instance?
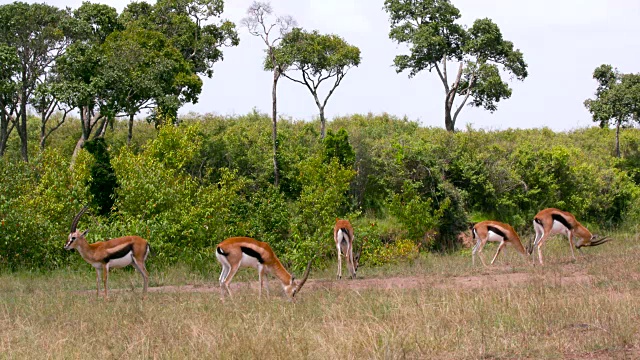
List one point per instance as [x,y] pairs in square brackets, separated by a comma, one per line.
[593,241]
[74,234]
[356,261]
[294,287]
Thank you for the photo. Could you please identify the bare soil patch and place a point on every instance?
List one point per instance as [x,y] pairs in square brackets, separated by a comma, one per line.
[490,278]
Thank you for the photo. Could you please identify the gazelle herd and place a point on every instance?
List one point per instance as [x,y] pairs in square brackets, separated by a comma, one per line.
[546,223]
[238,252]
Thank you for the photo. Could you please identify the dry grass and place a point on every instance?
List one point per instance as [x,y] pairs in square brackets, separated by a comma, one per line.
[43,316]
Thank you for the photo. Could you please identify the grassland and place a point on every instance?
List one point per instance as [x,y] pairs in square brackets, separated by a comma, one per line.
[576,310]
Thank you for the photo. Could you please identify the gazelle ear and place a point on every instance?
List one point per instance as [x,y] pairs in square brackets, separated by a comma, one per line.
[85,233]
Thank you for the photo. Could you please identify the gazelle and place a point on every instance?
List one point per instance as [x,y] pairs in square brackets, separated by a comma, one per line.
[236,252]
[343,236]
[494,231]
[553,221]
[114,253]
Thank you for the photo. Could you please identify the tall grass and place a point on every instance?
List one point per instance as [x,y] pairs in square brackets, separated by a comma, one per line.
[57,315]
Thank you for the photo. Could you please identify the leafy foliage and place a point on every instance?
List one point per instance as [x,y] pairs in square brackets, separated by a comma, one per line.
[187,187]
[103,182]
[337,146]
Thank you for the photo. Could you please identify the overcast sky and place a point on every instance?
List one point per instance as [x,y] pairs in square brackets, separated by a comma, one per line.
[563,41]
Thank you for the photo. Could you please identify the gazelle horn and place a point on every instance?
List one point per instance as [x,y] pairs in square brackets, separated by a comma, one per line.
[600,241]
[76,219]
[304,277]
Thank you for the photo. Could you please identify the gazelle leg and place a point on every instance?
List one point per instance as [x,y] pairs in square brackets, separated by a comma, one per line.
[98,277]
[482,243]
[261,279]
[350,264]
[143,272]
[539,235]
[571,245]
[339,275]
[474,251]
[229,277]
[105,279]
[502,245]
[224,272]
[541,242]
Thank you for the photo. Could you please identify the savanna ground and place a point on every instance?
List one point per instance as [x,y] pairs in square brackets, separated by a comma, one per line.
[437,306]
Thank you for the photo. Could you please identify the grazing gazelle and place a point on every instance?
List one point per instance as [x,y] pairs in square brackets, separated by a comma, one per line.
[553,221]
[236,252]
[114,253]
[343,236]
[494,231]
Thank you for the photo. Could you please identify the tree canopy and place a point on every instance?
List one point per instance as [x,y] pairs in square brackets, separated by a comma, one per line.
[434,38]
[317,58]
[617,99]
[38,33]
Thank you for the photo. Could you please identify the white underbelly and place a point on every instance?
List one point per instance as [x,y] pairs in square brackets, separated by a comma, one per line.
[249,261]
[121,262]
[491,236]
[558,228]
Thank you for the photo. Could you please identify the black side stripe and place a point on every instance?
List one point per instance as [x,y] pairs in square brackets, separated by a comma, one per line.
[497,231]
[250,252]
[119,254]
[561,219]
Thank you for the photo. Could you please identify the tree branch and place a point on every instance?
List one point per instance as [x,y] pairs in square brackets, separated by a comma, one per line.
[442,78]
[292,79]
[466,97]
[339,78]
[64,117]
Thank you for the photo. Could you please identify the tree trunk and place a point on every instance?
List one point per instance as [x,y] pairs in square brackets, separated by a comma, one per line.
[274,129]
[618,139]
[448,120]
[4,130]
[22,126]
[322,122]
[43,129]
[85,122]
[130,136]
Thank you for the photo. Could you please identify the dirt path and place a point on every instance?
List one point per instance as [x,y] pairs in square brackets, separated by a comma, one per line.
[491,280]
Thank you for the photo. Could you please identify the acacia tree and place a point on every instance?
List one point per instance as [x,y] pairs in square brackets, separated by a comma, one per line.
[261,23]
[38,35]
[317,57]
[435,39]
[617,99]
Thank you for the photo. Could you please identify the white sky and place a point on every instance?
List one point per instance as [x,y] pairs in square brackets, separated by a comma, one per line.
[563,41]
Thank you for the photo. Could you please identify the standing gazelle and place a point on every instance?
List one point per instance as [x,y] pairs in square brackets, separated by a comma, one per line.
[114,253]
[494,231]
[343,236]
[553,221]
[236,252]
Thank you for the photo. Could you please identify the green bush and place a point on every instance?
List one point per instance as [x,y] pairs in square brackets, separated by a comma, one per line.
[187,187]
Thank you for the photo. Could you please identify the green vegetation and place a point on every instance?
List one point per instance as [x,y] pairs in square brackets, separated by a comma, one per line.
[405,187]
